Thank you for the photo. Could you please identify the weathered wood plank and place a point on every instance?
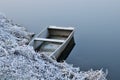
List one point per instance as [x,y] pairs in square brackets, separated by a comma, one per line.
[49,40]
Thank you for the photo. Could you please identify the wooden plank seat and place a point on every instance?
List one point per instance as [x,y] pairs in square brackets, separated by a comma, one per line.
[49,40]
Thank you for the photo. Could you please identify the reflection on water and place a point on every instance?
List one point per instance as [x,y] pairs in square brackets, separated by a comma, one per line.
[97,24]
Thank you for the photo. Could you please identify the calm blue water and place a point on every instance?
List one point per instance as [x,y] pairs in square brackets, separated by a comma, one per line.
[97,24]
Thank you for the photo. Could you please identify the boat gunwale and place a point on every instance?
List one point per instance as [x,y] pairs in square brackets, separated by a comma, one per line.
[40,33]
[61,28]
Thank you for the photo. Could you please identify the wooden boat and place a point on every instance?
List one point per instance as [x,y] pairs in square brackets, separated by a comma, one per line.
[52,40]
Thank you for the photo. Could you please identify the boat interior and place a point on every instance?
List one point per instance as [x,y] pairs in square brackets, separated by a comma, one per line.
[51,39]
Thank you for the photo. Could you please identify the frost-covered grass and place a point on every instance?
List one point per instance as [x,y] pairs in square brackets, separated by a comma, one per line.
[19,61]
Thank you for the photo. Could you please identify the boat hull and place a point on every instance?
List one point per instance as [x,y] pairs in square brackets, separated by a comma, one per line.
[52,40]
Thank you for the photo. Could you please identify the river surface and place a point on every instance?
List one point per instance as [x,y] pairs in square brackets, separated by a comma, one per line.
[96,22]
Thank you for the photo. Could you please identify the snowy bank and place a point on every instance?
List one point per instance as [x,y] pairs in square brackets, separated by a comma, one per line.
[20,62]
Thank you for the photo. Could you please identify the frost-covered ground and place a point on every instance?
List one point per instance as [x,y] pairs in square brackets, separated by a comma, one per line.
[20,62]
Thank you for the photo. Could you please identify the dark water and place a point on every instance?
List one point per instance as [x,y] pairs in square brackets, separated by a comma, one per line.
[97,24]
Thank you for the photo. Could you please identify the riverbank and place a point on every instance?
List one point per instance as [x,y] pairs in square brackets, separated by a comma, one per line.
[18,61]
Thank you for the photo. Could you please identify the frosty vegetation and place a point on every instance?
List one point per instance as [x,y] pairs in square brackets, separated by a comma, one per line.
[18,61]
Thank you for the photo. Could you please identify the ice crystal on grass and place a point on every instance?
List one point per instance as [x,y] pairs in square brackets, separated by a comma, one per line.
[19,61]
